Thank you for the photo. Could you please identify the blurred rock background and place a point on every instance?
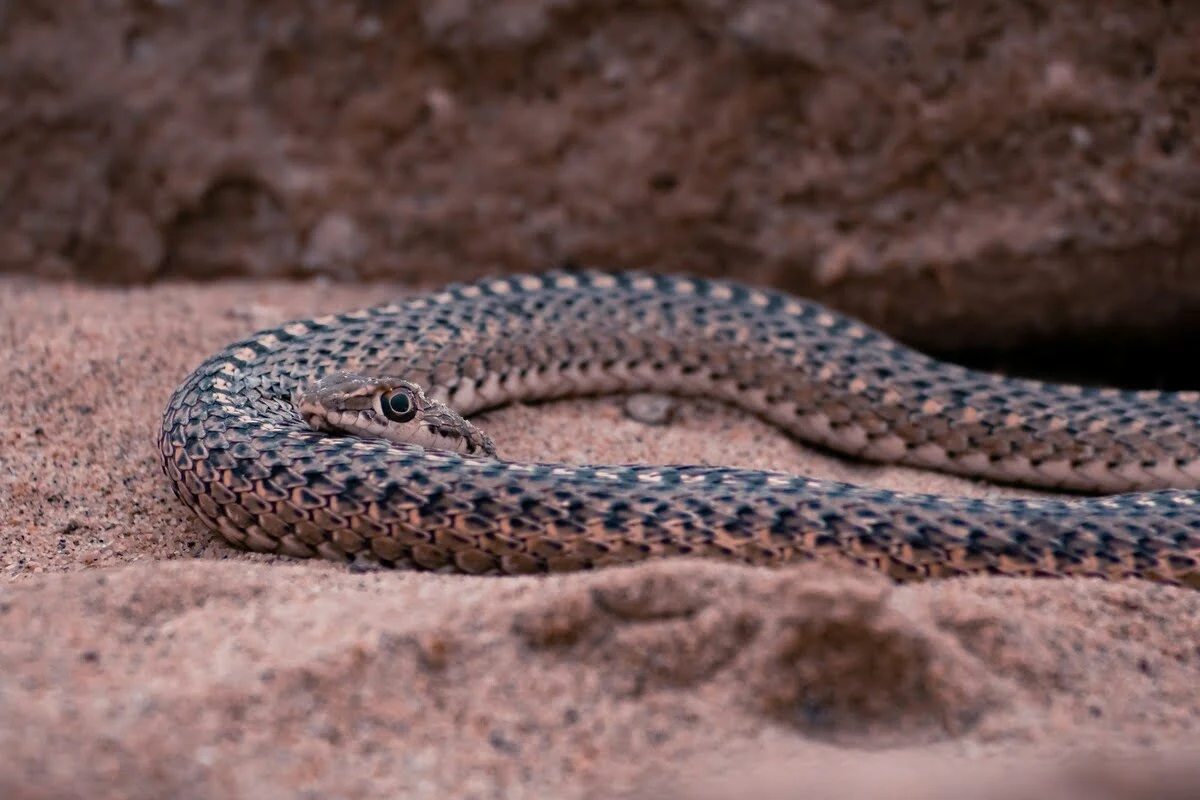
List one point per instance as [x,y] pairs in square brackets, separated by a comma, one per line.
[976,178]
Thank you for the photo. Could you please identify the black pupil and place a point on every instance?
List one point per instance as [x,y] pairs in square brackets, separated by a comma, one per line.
[400,403]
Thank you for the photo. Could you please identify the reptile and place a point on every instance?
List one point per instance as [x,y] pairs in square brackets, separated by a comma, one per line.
[347,437]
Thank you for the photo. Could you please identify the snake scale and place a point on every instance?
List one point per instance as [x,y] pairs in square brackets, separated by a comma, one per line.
[340,437]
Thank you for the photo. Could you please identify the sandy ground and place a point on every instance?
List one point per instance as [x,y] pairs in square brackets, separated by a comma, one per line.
[142,657]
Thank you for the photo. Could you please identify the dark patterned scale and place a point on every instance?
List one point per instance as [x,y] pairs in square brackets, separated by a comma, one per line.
[240,455]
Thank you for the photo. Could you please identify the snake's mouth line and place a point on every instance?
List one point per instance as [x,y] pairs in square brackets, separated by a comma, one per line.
[235,455]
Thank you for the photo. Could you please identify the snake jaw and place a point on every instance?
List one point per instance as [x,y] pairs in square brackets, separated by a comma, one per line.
[351,403]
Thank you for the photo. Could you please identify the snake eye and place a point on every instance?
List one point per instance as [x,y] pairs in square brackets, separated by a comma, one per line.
[399,406]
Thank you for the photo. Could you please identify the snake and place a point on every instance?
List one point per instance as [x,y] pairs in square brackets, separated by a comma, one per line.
[348,437]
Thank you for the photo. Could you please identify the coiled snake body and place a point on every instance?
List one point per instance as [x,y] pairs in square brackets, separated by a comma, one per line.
[274,441]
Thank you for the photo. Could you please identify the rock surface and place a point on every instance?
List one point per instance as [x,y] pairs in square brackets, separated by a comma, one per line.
[919,164]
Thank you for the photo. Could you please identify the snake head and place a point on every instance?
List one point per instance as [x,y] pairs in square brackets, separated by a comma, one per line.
[385,407]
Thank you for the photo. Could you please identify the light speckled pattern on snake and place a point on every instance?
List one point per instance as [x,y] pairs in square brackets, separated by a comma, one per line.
[240,456]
